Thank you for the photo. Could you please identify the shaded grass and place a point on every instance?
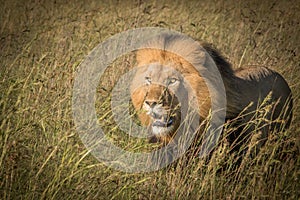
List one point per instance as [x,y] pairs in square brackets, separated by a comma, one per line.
[42,44]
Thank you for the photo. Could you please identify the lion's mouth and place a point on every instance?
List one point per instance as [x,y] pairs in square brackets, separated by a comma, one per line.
[163,123]
[162,127]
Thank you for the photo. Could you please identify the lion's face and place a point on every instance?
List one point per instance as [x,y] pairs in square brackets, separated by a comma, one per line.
[153,95]
[164,85]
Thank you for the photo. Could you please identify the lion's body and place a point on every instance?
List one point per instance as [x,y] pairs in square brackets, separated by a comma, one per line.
[256,83]
[265,106]
[243,86]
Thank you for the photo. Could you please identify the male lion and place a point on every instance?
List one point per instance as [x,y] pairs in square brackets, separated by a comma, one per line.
[162,73]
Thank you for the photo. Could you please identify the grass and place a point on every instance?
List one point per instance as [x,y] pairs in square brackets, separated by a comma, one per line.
[42,44]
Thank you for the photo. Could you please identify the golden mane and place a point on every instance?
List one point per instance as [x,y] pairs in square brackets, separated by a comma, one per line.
[243,87]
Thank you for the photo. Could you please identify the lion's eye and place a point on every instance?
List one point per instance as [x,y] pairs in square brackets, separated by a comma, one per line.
[148,80]
[172,81]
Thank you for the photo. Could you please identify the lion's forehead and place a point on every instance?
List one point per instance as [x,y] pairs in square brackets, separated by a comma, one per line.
[158,72]
[158,91]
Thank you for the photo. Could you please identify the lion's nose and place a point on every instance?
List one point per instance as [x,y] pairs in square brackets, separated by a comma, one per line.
[151,104]
[154,103]
[154,108]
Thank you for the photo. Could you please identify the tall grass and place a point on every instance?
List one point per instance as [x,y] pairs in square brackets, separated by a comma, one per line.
[42,44]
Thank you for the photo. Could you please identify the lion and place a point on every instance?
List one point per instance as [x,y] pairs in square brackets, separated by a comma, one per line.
[163,71]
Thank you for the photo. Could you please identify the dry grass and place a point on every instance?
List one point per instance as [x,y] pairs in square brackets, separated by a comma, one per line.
[42,44]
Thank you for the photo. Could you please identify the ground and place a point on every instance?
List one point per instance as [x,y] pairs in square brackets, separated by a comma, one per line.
[42,44]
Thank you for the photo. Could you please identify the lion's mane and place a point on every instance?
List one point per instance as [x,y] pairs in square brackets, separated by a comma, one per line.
[246,88]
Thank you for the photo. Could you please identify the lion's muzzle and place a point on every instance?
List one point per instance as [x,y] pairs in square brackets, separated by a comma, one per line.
[159,115]
[162,119]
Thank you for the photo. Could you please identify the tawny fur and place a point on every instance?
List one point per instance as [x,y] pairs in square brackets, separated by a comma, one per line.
[243,87]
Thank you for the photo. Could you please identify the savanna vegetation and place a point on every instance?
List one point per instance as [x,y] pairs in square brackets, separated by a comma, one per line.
[42,44]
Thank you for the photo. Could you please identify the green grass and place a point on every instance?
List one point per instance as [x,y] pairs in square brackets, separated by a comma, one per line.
[42,44]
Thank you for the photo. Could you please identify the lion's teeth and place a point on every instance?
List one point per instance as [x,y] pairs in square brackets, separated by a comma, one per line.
[163,122]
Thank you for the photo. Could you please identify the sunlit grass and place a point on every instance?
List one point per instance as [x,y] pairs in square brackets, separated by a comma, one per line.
[42,45]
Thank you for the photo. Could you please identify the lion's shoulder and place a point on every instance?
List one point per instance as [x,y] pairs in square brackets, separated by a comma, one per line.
[255,73]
